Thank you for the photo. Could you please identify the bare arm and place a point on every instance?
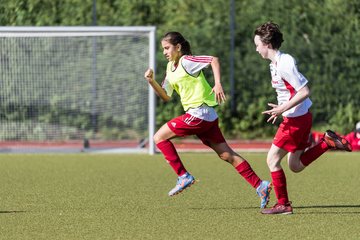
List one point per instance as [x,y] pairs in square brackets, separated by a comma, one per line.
[219,92]
[277,110]
[149,76]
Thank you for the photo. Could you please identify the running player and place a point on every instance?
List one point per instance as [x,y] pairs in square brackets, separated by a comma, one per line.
[184,74]
[293,104]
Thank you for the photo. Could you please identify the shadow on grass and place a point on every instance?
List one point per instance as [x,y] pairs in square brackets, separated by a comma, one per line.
[221,208]
[295,208]
[332,207]
[4,212]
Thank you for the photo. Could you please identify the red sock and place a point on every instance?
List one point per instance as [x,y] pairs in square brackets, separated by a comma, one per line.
[246,172]
[313,153]
[172,157]
[279,183]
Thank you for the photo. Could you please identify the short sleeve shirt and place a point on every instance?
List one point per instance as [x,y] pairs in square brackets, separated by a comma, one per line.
[287,81]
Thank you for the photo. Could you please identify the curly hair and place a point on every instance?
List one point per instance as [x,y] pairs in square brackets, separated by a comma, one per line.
[269,33]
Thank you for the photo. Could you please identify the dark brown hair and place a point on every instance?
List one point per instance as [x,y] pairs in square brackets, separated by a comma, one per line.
[175,38]
[269,33]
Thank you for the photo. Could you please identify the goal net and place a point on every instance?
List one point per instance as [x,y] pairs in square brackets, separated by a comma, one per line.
[76,88]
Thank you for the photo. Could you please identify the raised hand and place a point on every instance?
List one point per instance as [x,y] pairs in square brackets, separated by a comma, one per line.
[149,75]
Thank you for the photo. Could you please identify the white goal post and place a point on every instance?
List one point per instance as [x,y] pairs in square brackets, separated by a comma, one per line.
[78,87]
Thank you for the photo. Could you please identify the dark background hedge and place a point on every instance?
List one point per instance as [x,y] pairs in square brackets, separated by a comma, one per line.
[322,35]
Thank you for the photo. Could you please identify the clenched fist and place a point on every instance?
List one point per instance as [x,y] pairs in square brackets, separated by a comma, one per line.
[149,75]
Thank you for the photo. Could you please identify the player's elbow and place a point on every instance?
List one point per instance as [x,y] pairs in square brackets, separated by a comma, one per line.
[305,92]
[215,60]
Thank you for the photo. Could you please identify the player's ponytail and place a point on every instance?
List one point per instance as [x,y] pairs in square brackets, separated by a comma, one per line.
[175,38]
[185,48]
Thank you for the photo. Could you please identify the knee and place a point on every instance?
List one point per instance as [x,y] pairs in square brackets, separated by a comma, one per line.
[157,138]
[295,169]
[273,164]
[226,156]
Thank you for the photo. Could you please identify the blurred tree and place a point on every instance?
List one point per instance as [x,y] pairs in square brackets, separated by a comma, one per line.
[322,35]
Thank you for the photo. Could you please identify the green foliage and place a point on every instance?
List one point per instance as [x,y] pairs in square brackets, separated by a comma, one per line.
[321,35]
[345,118]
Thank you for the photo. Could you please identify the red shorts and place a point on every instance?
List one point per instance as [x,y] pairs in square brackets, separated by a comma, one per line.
[207,132]
[293,133]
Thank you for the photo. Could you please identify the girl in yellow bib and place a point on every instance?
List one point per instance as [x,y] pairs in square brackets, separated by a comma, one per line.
[184,74]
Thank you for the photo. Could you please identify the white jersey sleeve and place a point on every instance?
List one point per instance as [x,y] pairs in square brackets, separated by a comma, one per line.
[288,70]
[287,81]
[194,64]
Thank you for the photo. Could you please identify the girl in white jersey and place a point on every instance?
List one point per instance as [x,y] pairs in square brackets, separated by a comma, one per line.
[293,104]
[184,75]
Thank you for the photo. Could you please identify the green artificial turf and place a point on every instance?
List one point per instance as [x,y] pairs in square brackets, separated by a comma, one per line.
[88,196]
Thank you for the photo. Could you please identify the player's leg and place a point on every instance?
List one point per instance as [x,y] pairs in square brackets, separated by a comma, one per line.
[273,160]
[294,161]
[330,140]
[301,127]
[300,159]
[263,187]
[334,141]
[297,142]
[291,136]
[225,153]
[162,140]
[215,140]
